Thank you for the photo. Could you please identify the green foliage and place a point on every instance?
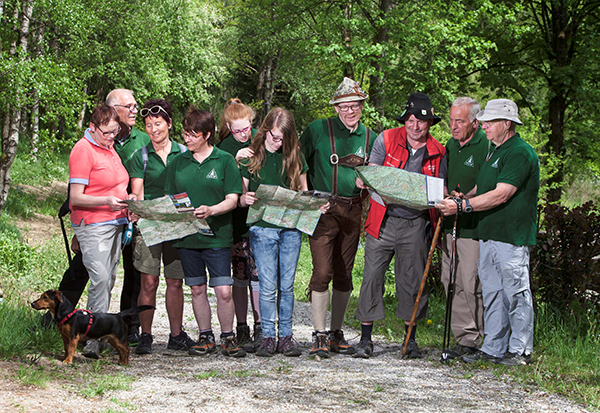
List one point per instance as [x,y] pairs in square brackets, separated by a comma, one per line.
[25,270]
[566,269]
[22,335]
[99,385]
[566,356]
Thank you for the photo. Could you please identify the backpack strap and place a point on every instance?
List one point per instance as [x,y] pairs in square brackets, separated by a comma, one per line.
[334,159]
[367,142]
[144,151]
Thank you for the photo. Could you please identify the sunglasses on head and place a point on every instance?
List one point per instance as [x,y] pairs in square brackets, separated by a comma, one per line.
[154,110]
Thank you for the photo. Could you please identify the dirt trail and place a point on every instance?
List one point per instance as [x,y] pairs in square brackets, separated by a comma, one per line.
[169,382]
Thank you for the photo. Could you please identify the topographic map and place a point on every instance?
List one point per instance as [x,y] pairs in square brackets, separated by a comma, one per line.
[397,186]
[161,220]
[288,209]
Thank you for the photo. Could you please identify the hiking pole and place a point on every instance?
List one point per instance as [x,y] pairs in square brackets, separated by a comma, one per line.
[450,293]
[422,286]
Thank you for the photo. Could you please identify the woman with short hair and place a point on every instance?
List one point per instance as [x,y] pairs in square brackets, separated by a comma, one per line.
[148,172]
[213,183]
[98,183]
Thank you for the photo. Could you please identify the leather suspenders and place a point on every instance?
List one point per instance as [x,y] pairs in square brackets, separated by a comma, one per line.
[335,159]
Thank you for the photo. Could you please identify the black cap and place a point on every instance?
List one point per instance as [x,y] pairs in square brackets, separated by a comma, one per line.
[419,105]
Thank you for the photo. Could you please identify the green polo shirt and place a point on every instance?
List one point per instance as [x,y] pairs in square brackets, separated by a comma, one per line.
[130,145]
[156,171]
[232,145]
[270,174]
[514,222]
[206,183]
[316,147]
[463,166]
[238,215]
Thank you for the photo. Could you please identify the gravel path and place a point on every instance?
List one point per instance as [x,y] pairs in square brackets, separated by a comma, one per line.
[172,382]
[384,383]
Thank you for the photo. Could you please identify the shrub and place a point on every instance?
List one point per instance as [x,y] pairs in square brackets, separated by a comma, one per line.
[566,265]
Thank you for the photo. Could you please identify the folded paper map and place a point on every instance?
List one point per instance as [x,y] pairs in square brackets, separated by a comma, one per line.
[167,218]
[397,186]
[288,209]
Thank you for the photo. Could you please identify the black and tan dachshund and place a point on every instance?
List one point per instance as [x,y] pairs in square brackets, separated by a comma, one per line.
[79,325]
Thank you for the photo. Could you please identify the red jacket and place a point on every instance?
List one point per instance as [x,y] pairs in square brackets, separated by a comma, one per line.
[396,156]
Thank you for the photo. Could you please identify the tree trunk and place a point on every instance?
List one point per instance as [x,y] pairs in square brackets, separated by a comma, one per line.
[347,41]
[562,32]
[266,84]
[377,79]
[35,127]
[9,146]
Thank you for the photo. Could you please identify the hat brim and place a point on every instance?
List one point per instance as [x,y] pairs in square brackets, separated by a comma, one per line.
[348,99]
[402,117]
[487,116]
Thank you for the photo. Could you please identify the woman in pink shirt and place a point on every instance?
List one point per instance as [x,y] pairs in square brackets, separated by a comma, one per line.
[98,184]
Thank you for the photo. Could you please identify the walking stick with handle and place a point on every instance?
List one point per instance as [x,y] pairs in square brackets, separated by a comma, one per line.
[450,294]
[423,281]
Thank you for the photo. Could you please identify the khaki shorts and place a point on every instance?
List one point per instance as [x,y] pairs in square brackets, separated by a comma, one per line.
[147,260]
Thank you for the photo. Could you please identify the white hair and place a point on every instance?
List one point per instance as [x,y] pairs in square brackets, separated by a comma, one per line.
[474,106]
[114,97]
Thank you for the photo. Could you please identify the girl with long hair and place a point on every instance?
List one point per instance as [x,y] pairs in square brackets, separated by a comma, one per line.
[277,160]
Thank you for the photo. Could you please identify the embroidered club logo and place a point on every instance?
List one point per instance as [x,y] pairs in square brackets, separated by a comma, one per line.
[360,152]
[469,162]
[212,174]
[495,164]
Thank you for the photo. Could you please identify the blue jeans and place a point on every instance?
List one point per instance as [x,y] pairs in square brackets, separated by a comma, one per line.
[276,252]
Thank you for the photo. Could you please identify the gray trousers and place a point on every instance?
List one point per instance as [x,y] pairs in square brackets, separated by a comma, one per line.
[101,250]
[467,305]
[407,241]
[507,302]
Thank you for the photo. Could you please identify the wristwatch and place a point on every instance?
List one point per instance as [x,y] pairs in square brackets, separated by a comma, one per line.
[468,208]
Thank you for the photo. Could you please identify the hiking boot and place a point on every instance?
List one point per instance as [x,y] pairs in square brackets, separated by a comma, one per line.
[267,348]
[244,339]
[412,350]
[145,344]
[515,359]
[205,345]
[92,349]
[319,347]
[133,339]
[459,350]
[289,346]
[180,342]
[338,344]
[479,356]
[256,339]
[230,347]
[364,350]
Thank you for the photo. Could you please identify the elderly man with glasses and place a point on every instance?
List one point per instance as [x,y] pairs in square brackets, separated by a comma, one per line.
[505,199]
[129,141]
[335,240]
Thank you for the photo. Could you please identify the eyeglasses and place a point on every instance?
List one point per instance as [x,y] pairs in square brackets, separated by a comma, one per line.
[191,134]
[110,132]
[132,108]
[275,139]
[154,110]
[245,130]
[353,108]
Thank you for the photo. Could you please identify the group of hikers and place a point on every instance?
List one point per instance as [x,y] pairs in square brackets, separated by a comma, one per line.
[492,186]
